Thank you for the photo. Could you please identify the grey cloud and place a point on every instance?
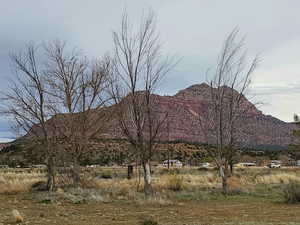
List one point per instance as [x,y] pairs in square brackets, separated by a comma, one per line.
[192,29]
[273,90]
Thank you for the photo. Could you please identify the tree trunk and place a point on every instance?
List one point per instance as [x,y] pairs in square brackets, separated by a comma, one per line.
[168,159]
[225,185]
[224,177]
[76,172]
[129,171]
[231,168]
[147,178]
[50,174]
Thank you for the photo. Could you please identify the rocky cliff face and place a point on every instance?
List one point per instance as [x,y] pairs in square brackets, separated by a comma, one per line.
[3,145]
[188,105]
[185,108]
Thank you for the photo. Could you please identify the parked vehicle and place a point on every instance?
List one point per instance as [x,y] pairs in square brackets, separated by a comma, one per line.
[172,163]
[274,165]
[204,165]
[39,166]
[92,166]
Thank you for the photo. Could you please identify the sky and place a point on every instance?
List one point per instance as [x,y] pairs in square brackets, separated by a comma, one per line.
[193,30]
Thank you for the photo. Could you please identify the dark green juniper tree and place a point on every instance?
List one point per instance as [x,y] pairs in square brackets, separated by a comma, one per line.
[294,148]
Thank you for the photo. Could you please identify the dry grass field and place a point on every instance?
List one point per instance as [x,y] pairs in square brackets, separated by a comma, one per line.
[182,196]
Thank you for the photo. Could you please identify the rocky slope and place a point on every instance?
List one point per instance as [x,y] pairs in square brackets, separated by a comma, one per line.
[185,108]
[188,105]
[4,145]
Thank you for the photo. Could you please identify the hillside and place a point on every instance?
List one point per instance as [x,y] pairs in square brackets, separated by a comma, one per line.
[188,105]
[4,145]
[185,108]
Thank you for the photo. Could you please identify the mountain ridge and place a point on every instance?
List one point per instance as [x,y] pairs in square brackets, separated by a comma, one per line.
[187,105]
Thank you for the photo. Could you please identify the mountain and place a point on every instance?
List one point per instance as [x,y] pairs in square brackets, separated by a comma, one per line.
[4,145]
[256,130]
[185,108]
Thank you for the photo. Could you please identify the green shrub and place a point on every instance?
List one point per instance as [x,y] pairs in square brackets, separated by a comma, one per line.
[106,175]
[45,201]
[291,192]
[175,182]
[149,222]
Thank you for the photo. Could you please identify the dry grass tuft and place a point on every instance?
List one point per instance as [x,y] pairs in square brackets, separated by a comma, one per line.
[11,183]
[175,183]
[280,178]
[234,183]
[161,183]
[203,180]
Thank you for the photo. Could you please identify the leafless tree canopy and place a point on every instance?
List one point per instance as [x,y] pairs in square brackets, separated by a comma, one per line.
[27,103]
[78,89]
[139,67]
[27,100]
[228,86]
[56,100]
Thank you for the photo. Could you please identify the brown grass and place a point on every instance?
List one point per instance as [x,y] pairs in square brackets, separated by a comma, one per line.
[227,211]
[118,187]
[18,182]
[279,178]
[196,201]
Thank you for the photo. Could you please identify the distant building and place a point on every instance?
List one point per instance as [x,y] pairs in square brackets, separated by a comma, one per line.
[172,163]
[245,164]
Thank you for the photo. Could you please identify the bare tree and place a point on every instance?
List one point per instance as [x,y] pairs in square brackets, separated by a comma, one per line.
[230,82]
[27,104]
[139,67]
[79,91]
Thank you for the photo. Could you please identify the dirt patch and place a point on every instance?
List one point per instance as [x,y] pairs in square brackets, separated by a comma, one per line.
[116,213]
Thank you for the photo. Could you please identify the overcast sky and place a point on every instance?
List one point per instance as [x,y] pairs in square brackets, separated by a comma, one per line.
[191,29]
